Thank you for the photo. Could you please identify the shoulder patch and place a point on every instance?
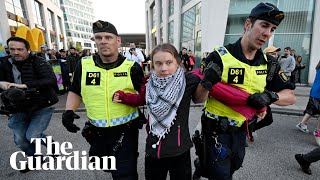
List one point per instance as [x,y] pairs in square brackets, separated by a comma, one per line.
[283,76]
[86,57]
[222,50]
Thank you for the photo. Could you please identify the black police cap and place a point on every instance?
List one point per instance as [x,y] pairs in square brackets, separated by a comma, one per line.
[267,12]
[104,26]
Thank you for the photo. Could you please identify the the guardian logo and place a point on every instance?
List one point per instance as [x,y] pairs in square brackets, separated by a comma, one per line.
[64,158]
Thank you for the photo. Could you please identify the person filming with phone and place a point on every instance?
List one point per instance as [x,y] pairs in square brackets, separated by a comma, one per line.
[134,54]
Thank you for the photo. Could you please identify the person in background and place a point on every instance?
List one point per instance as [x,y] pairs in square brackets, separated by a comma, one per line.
[287,62]
[134,54]
[296,73]
[191,59]
[272,51]
[185,58]
[53,54]
[44,53]
[62,58]
[6,54]
[85,52]
[6,50]
[293,53]
[72,60]
[313,107]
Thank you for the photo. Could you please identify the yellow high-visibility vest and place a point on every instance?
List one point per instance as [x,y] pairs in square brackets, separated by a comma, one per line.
[97,88]
[251,79]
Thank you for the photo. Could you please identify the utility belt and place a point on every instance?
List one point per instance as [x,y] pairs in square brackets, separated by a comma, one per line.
[91,132]
[219,125]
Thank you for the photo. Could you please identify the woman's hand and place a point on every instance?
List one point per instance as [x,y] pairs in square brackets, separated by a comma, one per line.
[261,115]
[116,97]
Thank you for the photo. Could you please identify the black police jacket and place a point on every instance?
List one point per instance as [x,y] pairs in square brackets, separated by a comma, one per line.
[276,78]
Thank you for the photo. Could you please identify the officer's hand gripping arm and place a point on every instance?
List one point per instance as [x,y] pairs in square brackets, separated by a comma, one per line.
[259,100]
[212,75]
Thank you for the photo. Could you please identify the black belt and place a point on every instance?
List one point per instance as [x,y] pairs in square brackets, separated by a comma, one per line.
[219,125]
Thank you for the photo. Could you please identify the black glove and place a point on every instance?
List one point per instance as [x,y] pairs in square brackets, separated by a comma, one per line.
[289,85]
[67,120]
[259,100]
[212,75]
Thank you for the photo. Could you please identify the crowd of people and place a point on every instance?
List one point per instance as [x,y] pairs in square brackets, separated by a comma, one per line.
[238,81]
[290,63]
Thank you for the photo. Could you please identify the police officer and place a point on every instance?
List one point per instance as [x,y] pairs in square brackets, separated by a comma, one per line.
[244,65]
[112,129]
[31,112]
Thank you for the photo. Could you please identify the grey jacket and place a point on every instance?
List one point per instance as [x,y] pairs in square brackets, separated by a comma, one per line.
[287,64]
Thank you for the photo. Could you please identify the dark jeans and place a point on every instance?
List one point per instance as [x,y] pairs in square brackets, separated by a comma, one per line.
[222,165]
[179,167]
[312,156]
[126,156]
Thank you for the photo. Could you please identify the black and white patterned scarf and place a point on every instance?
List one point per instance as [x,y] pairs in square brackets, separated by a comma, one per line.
[163,96]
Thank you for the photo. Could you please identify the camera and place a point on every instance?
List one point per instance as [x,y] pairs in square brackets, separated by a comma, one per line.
[132,49]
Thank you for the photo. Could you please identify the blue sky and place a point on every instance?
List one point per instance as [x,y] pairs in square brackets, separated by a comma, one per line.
[128,16]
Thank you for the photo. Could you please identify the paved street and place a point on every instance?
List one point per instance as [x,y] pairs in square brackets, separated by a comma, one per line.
[271,156]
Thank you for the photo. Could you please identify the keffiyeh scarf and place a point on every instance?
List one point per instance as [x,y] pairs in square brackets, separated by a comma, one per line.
[163,96]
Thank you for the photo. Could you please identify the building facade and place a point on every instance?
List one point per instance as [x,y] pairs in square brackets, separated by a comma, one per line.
[45,15]
[78,18]
[199,25]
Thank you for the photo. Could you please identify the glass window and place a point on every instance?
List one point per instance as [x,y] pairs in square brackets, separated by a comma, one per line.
[170,32]
[60,25]
[37,13]
[188,21]
[15,7]
[9,6]
[171,7]
[51,20]
[87,45]
[184,2]
[197,49]
[154,17]
[161,35]
[198,13]
[161,10]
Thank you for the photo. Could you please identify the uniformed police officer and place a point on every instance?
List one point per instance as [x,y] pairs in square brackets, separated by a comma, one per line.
[244,65]
[112,128]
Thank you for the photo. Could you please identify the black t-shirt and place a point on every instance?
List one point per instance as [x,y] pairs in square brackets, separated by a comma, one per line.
[136,73]
[169,145]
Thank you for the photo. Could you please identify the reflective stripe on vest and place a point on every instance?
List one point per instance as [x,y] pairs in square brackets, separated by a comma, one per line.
[97,88]
[251,79]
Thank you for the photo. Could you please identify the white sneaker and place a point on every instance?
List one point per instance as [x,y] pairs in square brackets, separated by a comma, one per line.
[302,127]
